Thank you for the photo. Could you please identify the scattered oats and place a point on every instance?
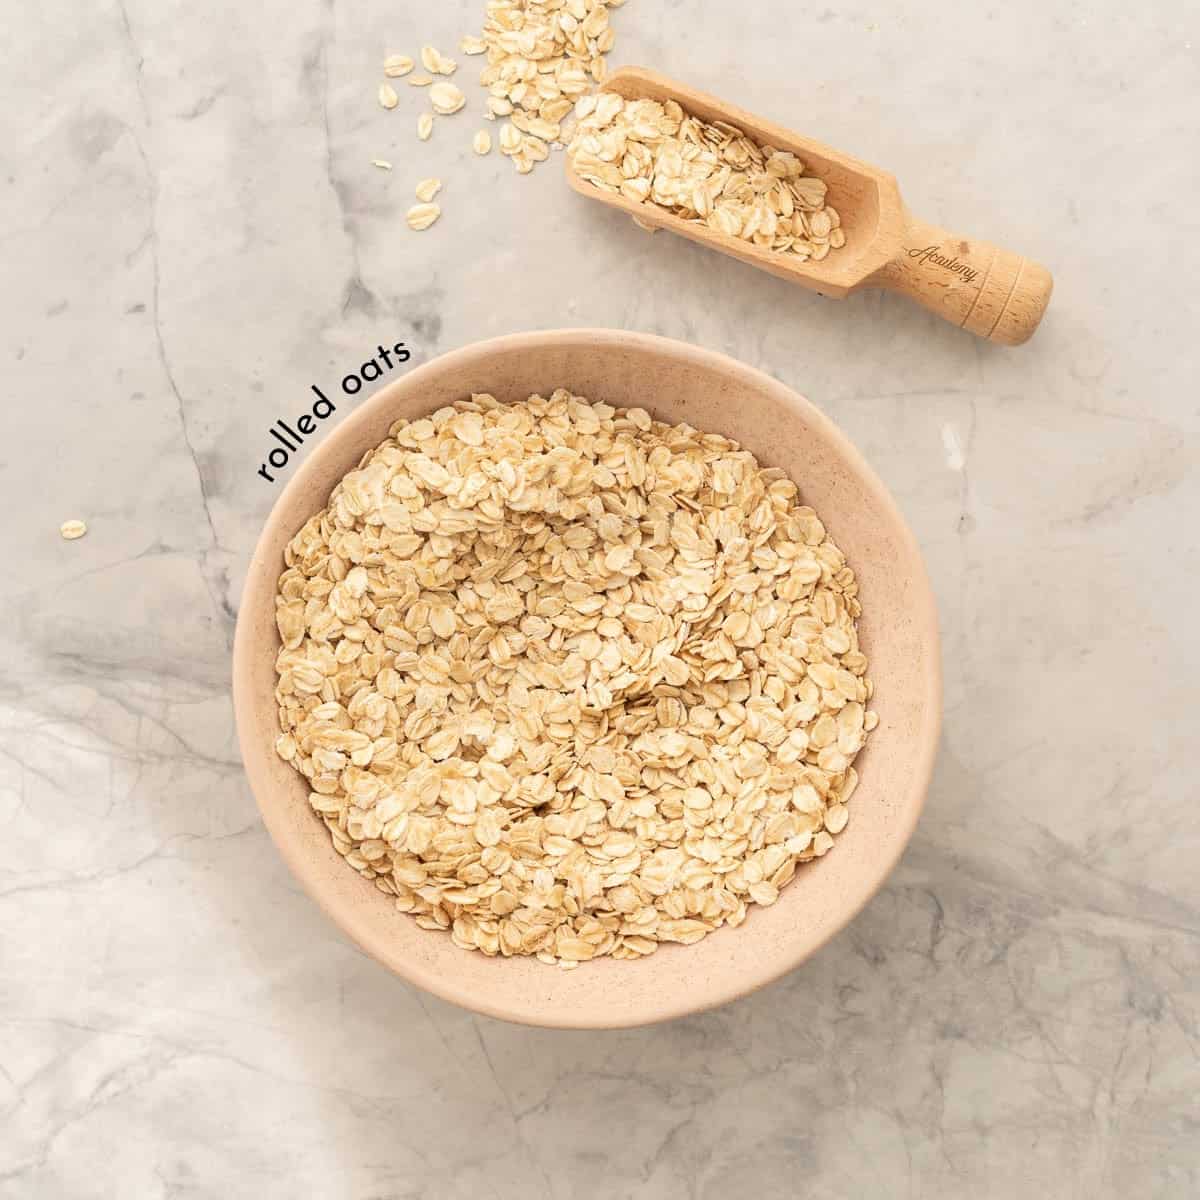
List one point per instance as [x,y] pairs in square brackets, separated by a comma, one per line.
[542,55]
[396,65]
[387,96]
[710,174]
[425,126]
[421,216]
[482,142]
[71,530]
[420,80]
[381,163]
[446,98]
[427,189]
[568,682]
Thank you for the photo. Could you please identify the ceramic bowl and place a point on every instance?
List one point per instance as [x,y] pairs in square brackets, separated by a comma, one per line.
[675,382]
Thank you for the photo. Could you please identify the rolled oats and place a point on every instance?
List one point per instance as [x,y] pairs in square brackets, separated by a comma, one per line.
[435,63]
[510,139]
[482,142]
[396,65]
[709,173]
[387,96]
[71,530]
[446,98]
[427,189]
[421,216]
[569,682]
[542,55]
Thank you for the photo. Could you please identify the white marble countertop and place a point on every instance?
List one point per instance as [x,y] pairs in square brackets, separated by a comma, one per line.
[193,234]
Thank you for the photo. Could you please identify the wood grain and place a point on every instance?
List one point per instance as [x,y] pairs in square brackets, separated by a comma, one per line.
[991,292]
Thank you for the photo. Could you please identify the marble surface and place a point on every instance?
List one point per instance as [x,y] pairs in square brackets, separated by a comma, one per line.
[193,234]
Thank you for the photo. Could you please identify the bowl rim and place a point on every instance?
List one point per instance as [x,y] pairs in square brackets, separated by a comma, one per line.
[447,987]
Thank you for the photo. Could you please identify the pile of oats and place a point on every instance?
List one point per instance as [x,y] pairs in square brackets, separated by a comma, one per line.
[542,55]
[711,173]
[567,681]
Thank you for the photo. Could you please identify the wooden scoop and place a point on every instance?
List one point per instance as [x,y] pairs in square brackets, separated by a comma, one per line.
[994,293]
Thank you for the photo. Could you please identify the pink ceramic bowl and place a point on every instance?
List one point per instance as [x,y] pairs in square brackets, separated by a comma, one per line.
[675,382]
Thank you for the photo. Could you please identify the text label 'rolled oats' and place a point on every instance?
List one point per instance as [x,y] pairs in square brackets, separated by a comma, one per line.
[290,436]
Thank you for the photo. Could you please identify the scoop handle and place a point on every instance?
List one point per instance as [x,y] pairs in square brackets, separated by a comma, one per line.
[976,285]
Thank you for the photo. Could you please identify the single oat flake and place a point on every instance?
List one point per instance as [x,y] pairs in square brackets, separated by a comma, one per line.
[396,65]
[446,98]
[510,139]
[482,142]
[71,530]
[421,216]
[427,189]
[425,126]
[387,96]
[381,163]
[569,682]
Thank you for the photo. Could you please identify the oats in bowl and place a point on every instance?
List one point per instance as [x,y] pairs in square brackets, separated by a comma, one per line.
[568,681]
